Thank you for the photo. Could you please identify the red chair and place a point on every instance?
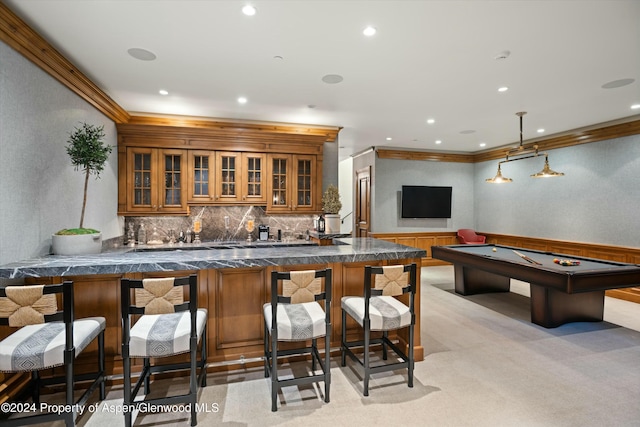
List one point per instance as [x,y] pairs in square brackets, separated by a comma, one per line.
[468,236]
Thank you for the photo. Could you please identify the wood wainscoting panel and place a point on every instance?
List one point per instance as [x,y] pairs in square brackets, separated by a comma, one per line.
[238,299]
[421,240]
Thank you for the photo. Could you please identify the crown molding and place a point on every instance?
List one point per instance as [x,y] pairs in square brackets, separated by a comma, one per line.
[19,36]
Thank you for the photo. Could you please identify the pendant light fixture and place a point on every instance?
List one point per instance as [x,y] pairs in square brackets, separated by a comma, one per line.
[521,152]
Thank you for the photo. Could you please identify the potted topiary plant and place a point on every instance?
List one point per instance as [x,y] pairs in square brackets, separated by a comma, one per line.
[331,206]
[88,153]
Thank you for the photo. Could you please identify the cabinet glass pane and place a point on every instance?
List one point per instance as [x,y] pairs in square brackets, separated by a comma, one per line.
[172,179]
[254,177]
[303,195]
[141,179]
[279,182]
[228,178]
[201,176]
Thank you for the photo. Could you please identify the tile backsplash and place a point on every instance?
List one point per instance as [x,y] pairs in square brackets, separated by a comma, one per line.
[213,223]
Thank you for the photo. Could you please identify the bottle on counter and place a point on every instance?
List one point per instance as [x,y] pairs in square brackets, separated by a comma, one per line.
[131,235]
[142,235]
[321,224]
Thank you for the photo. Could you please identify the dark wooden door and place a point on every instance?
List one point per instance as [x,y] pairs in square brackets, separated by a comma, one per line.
[363,197]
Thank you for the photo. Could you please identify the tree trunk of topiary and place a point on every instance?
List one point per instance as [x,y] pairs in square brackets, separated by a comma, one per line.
[84,199]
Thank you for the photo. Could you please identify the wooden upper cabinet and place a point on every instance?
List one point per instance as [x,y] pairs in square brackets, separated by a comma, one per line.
[293,183]
[156,180]
[226,178]
[254,187]
[201,177]
[165,165]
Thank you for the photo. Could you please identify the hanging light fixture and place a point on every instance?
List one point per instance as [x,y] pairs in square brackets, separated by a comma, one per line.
[546,171]
[498,179]
[521,152]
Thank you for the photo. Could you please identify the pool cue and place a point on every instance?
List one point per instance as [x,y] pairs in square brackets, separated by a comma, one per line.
[526,258]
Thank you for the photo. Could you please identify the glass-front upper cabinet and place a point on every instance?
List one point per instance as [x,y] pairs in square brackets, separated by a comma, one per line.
[156,180]
[228,175]
[253,184]
[201,176]
[292,185]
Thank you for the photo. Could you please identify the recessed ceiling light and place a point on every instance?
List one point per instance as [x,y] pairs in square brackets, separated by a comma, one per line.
[249,10]
[278,57]
[369,31]
[389,138]
[503,89]
[617,83]
[438,141]
[163,92]
[332,79]
[242,100]
[482,144]
[431,121]
[141,54]
[502,55]
[635,106]
[541,130]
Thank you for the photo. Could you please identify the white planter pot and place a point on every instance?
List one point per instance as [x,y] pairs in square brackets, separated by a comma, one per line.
[332,223]
[80,244]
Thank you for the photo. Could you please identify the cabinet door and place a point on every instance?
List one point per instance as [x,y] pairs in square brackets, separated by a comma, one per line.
[253,179]
[201,176]
[304,186]
[173,194]
[279,173]
[228,176]
[142,180]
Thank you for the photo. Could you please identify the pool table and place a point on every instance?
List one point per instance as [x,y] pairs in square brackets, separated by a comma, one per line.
[559,293]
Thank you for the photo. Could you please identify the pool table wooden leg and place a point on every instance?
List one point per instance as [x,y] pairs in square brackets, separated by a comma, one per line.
[551,308]
[470,281]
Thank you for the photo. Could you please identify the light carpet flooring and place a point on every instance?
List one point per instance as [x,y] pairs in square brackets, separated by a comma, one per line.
[485,364]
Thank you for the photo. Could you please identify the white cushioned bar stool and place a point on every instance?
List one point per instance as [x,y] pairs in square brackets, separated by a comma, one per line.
[294,314]
[167,325]
[46,338]
[380,310]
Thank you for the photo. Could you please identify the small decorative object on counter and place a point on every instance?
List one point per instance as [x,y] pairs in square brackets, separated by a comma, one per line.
[181,237]
[155,238]
[142,234]
[197,228]
[131,235]
[279,235]
[188,236]
[249,225]
[321,224]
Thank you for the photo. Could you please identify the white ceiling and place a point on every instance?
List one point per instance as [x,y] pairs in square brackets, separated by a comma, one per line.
[429,59]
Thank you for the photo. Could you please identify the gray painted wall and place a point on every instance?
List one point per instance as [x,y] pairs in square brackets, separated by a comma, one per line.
[597,201]
[40,192]
[392,174]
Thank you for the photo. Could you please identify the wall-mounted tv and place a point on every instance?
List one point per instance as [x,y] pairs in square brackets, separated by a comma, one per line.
[419,201]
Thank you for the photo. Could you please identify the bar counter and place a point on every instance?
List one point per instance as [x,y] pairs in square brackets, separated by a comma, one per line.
[214,255]
[233,284]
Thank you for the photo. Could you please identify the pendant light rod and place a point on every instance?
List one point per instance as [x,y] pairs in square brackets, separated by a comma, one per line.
[522,153]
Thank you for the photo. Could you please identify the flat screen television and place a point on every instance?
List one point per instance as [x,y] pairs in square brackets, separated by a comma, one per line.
[419,201]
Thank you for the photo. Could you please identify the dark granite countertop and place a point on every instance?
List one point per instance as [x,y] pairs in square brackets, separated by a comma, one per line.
[209,256]
[328,236]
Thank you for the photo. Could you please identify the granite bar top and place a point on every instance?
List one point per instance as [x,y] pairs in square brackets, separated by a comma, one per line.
[328,236]
[204,256]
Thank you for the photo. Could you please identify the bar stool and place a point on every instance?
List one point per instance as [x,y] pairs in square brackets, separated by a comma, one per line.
[167,326]
[46,338]
[294,314]
[379,310]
